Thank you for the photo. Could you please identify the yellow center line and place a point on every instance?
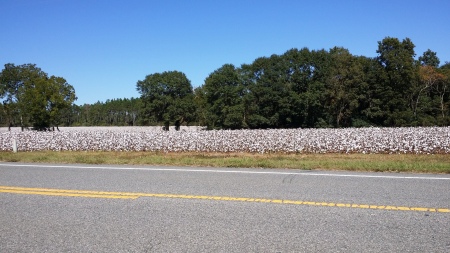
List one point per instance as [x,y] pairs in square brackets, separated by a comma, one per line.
[135,195]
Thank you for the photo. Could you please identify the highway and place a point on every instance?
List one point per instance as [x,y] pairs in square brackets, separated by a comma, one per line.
[100,208]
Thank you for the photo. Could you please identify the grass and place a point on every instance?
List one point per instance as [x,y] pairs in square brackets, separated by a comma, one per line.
[438,163]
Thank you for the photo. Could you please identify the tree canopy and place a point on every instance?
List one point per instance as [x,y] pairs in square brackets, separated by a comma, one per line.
[32,98]
[299,88]
[167,98]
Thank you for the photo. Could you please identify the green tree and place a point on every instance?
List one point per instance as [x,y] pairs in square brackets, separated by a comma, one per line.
[343,85]
[60,100]
[13,80]
[429,58]
[270,99]
[429,78]
[314,98]
[399,72]
[33,98]
[372,108]
[167,97]
[45,100]
[307,75]
[201,106]
[223,92]
[442,88]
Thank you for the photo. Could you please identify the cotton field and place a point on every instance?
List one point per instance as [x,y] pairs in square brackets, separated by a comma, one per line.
[422,140]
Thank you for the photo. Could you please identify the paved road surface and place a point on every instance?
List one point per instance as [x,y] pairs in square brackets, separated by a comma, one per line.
[89,208]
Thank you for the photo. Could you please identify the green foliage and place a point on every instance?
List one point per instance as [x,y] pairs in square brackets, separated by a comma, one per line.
[300,88]
[397,77]
[223,92]
[429,58]
[334,88]
[115,112]
[31,98]
[343,87]
[167,97]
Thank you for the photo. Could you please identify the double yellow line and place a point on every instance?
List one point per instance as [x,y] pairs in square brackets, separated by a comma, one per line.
[133,195]
[68,193]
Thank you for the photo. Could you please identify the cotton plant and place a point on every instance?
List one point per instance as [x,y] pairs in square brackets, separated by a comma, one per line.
[420,140]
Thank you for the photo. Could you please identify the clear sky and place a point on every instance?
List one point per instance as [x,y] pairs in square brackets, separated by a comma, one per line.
[103,47]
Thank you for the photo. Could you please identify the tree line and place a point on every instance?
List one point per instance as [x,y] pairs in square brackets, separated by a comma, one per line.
[309,88]
[300,88]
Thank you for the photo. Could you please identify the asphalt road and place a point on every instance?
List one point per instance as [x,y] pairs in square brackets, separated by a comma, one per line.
[89,208]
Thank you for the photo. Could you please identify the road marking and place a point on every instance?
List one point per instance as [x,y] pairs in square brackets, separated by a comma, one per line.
[267,172]
[135,195]
[67,193]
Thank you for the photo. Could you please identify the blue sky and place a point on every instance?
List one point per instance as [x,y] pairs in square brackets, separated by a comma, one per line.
[103,47]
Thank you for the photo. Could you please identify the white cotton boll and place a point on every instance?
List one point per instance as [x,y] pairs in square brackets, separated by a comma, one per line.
[361,140]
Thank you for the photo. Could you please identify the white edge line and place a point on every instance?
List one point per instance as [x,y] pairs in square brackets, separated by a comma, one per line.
[222,171]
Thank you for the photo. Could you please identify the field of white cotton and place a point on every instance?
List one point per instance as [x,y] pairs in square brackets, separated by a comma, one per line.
[419,140]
